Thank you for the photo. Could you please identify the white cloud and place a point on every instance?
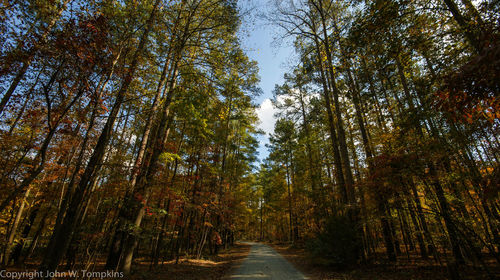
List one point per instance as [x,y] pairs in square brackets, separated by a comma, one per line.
[266,112]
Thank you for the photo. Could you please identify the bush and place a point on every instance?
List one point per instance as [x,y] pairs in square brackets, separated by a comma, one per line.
[336,244]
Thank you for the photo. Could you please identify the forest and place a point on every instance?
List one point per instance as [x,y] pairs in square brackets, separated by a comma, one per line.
[129,135]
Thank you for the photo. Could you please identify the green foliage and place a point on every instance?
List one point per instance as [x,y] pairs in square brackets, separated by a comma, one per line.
[168,157]
[336,244]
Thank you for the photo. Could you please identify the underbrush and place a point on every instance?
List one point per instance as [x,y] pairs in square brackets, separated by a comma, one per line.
[336,244]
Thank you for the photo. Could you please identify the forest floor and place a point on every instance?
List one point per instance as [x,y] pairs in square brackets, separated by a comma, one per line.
[215,267]
[220,266]
[413,268]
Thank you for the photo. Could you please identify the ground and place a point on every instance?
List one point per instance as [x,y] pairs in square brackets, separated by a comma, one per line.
[257,261]
[402,270]
[263,262]
[221,266]
[217,267]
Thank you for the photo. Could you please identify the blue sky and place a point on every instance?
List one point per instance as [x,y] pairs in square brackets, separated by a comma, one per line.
[257,38]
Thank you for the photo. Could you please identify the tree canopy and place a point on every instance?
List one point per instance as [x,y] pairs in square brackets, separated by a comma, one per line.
[128,129]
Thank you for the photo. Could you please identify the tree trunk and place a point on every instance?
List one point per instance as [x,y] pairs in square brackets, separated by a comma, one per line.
[63,236]
[13,230]
[464,24]
[26,62]
[331,125]
[16,252]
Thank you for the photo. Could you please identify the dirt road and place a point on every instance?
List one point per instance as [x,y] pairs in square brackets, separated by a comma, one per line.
[263,262]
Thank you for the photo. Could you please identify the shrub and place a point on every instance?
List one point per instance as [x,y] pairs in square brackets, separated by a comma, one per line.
[336,244]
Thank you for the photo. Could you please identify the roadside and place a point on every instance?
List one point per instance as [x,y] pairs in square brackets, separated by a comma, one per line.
[403,269]
[216,267]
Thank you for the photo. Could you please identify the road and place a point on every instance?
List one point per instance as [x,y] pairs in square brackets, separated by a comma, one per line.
[263,262]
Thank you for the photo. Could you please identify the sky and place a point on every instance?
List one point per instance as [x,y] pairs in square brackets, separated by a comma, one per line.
[257,39]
